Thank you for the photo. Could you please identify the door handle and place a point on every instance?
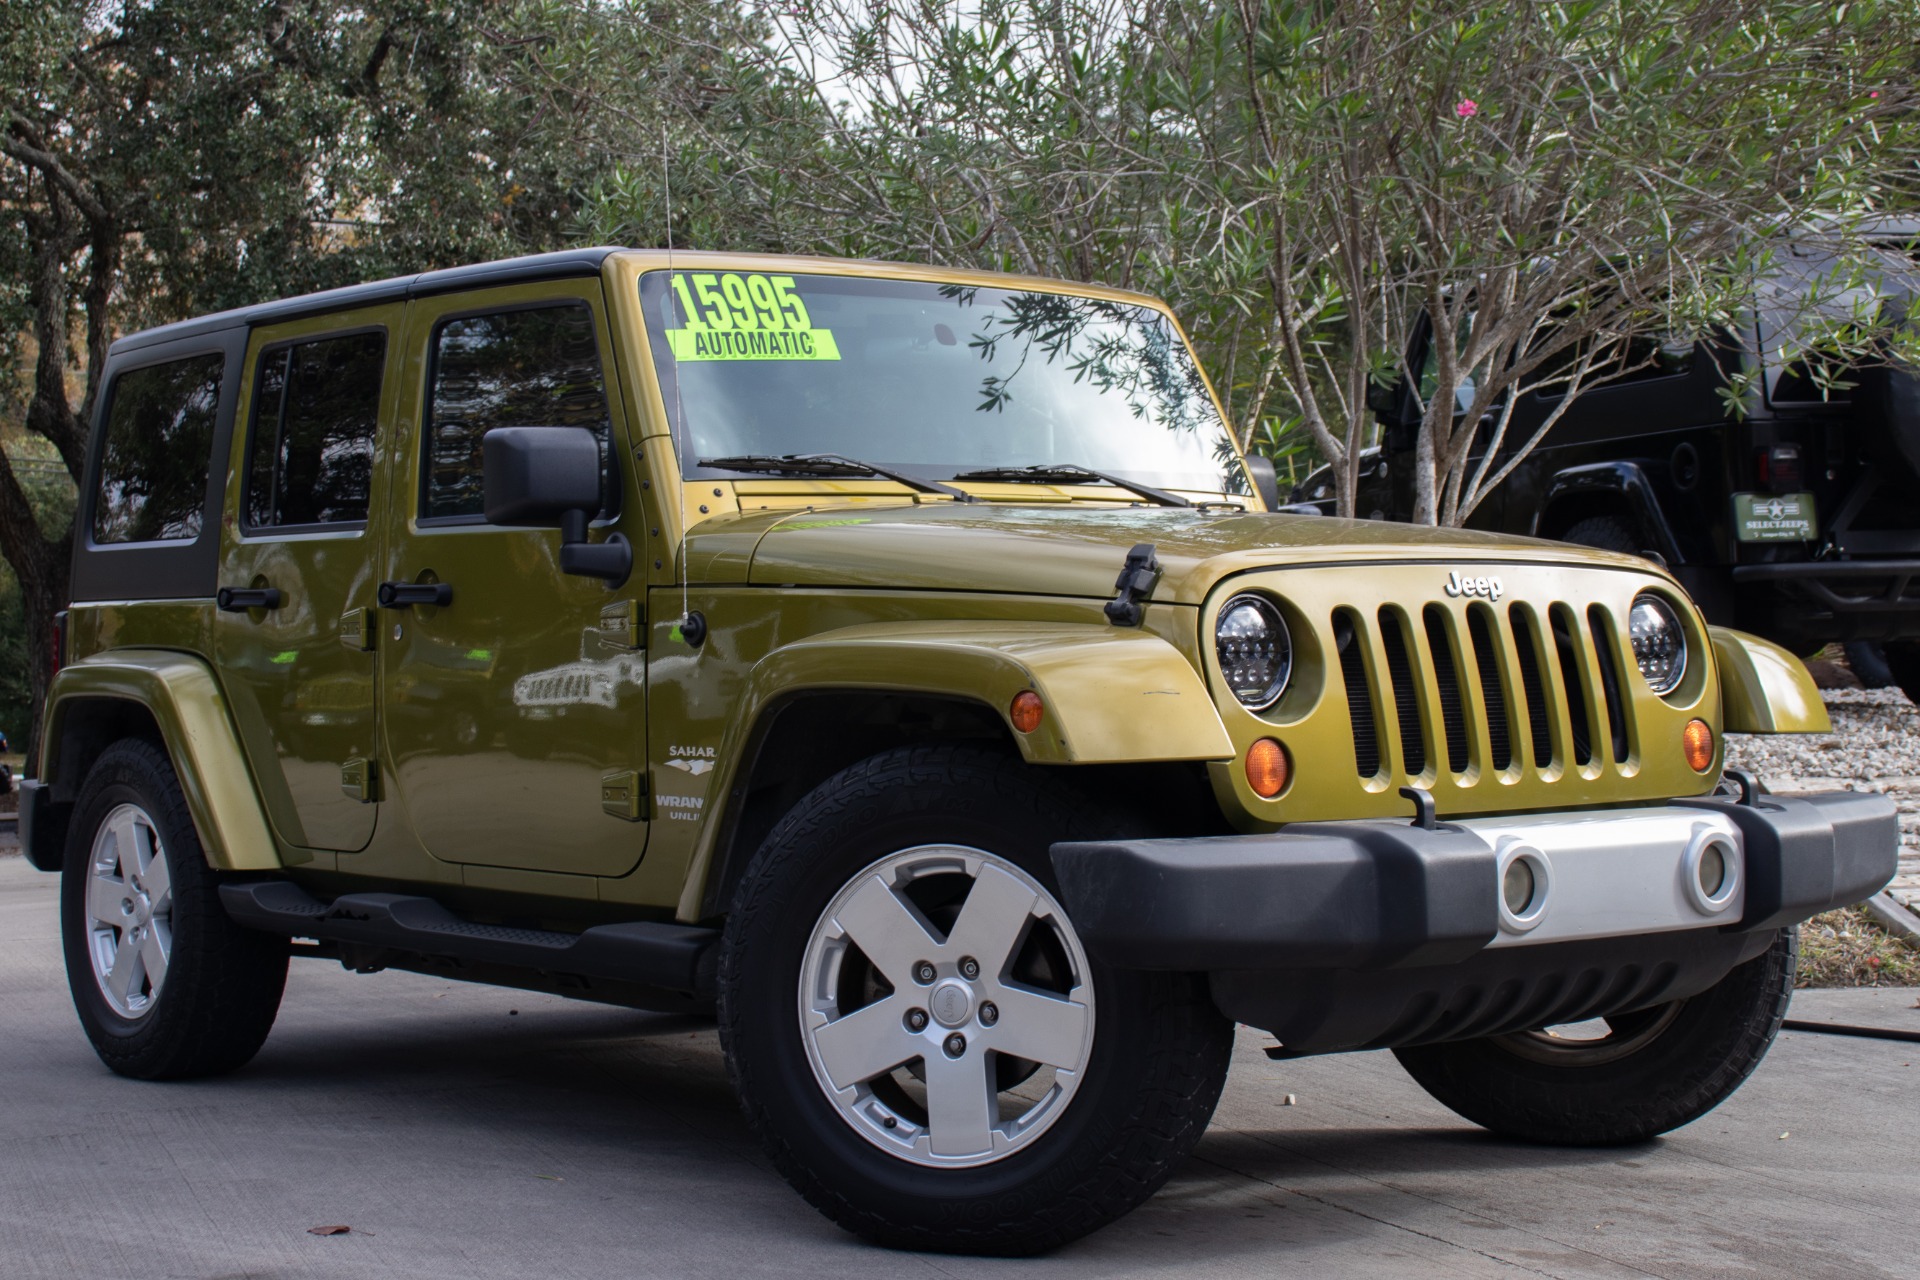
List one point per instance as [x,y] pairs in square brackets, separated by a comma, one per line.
[241,599]
[404,595]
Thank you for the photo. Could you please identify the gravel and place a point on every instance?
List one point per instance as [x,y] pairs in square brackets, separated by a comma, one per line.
[1875,746]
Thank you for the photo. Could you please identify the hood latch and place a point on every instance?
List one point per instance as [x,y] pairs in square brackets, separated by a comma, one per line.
[1133,586]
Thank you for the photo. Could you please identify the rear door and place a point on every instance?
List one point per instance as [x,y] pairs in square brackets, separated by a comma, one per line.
[297,571]
[514,713]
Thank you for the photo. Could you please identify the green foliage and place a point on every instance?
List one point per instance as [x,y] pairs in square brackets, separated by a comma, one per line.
[51,492]
[1303,178]
[165,158]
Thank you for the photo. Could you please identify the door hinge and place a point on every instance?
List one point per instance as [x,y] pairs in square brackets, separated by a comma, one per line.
[359,779]
[624,795]
[356,629]
[622,625]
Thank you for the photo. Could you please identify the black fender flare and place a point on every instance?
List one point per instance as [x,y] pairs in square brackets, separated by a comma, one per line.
[1626,481]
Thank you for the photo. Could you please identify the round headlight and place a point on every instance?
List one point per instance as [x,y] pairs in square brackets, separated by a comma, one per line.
[1659,645]
[1255,650]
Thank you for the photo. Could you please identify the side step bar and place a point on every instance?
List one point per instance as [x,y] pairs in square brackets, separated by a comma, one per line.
[672,957]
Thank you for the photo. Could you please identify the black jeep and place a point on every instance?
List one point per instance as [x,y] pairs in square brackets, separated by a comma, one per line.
[1799,520]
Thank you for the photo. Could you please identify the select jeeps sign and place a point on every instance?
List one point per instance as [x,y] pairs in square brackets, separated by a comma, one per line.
[1774,517]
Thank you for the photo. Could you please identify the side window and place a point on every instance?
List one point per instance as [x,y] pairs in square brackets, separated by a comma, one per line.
[154,460]
[531,368]
[316,408]
[1641,358]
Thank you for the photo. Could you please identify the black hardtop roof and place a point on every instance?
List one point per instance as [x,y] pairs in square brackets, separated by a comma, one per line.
[538,266]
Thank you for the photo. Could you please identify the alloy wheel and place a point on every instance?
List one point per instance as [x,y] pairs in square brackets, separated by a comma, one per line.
[946,1006]
[129,911]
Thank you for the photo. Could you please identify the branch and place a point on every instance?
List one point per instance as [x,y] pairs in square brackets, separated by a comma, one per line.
[24,145]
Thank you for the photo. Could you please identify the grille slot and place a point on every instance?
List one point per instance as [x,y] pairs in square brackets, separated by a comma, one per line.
[1453,716]
[1353,669]
[1527,656]
[1406,702]
[1599,624]
[1493,695]
[1573,678]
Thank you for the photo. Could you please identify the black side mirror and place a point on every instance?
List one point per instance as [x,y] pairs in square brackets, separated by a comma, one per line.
[1266,481]
[1384,398]
[549,478]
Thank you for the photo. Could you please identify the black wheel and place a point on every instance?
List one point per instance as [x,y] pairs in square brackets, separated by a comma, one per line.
[919,1038]
[165,984]
[1868,662]
[1652,1070]
[1604,533]
[1903,667]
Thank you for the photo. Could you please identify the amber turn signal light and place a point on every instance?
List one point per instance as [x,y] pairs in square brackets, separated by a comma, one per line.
[1696,740]
[1026,710]
[1268,768]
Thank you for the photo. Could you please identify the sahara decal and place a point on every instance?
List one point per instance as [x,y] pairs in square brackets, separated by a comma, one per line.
[697,761]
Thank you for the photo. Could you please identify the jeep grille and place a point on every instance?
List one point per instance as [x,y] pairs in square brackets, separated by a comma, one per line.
[1463,687]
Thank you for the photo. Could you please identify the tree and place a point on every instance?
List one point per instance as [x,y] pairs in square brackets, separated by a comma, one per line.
[1543,185]
[1546,186]
[166,158]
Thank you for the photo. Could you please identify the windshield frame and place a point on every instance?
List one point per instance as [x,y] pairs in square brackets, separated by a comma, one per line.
[627,271]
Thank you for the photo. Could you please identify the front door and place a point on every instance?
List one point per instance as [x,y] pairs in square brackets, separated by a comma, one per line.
[513,695]
[297,566]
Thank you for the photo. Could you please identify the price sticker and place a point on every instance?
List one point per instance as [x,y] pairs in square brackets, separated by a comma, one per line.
[733,315]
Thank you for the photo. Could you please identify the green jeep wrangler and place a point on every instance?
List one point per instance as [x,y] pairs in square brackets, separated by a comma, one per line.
[905,665]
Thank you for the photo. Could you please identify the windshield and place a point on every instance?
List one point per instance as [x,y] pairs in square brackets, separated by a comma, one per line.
[929,378]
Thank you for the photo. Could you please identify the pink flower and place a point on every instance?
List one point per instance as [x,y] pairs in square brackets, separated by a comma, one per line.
[1466,108]
[1874,94]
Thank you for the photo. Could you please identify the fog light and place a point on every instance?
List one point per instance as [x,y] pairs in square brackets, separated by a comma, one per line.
[1711,870]
[1268,768]
[1525,879]
[1696,741]
[1026,711]
[1517,886]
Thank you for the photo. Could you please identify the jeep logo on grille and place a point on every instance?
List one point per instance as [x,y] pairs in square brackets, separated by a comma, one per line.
[1491,588]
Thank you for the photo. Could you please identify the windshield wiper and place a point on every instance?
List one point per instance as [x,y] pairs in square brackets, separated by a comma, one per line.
[830,464]
[1069,473]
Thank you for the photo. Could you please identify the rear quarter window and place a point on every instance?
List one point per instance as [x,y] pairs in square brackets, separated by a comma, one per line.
[153,462]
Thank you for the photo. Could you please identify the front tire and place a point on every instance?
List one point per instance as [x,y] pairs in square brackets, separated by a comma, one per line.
[918,1037]
[1655,1069]
[166,985]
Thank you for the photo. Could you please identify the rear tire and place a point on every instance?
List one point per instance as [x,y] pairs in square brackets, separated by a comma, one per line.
[1604,533]
[1868,662]
[1903,666]
[817,937]
[166,985]
[1658,1068]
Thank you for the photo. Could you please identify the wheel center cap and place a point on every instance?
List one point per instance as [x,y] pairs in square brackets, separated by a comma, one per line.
[951,1002]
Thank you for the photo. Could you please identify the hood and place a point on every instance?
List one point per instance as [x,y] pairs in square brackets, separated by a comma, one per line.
[1073,551]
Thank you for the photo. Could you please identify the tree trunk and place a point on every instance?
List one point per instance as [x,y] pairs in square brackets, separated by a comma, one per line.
[44,591]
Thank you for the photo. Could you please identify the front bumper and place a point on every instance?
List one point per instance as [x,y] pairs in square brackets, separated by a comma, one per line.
[1378,933]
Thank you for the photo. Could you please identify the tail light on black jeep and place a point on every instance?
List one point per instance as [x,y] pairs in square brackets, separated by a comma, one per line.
[1777,467]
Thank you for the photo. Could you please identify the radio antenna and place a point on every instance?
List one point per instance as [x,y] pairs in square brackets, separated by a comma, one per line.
[692,629]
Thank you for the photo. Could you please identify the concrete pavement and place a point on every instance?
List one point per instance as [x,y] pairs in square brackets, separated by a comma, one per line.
[459,1138]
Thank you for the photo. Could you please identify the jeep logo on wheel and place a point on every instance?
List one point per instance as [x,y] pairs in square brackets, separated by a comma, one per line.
[1491,588]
